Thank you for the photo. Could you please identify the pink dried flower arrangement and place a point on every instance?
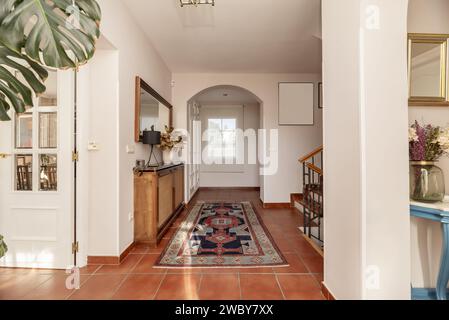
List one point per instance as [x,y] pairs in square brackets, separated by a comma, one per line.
[428,143]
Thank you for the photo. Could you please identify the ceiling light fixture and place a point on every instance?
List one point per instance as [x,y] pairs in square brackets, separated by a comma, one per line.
[196,2]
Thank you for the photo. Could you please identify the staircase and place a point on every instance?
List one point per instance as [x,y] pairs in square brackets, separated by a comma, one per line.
[310,203]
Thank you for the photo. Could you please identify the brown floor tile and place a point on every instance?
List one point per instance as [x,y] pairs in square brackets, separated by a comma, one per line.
[294,283]
[220,287]
[314,264]
[125,267]
[53,289]
[308,295]
[98,287]
[89,269]
[146,264]
[261,270]
[295,265]
[140,248]
[160,247]
[220,270]
[319,277]
[285,245]
[30,271]
[260,287]
[179,287]
[139,287]
[15,286]
[184,271]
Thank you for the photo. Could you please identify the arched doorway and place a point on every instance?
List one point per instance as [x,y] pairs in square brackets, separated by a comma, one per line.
[228,108]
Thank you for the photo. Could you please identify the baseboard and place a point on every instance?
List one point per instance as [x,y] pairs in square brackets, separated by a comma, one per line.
[277,205]
[326,293]
[313,244]
[293,197]
[110,259]
[229,188]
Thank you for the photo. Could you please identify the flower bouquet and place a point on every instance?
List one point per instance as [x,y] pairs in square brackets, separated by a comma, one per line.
[427,145]
[170,139]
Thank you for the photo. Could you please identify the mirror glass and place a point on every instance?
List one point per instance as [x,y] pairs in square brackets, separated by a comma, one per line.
[151,110]
[426,72]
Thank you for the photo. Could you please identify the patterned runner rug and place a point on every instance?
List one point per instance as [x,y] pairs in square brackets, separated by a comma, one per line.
[221,234]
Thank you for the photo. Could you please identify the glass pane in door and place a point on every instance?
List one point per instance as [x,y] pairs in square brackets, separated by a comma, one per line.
[47,130]
[50,97]
[24,172]
[48,178]
[24,131]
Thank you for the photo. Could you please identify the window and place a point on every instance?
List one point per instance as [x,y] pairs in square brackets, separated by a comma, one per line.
[221,136]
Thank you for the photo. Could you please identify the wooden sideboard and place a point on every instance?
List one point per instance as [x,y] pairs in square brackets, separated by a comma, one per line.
[158,199]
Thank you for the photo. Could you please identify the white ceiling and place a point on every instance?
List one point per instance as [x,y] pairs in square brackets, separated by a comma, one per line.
[226,94]
[235,35]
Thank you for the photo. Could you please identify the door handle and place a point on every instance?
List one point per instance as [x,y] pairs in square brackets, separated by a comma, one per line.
[4,155]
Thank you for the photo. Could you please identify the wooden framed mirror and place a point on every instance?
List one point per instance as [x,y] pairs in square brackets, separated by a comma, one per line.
[151,110]
[428,74]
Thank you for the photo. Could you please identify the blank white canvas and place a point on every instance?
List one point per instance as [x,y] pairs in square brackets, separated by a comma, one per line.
[296,103]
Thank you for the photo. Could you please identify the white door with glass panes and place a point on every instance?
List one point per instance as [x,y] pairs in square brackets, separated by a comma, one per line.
[36,179]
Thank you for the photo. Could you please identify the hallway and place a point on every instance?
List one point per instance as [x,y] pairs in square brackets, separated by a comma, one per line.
[135,278]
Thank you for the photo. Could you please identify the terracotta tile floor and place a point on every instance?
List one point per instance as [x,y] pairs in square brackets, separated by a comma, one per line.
[136,279]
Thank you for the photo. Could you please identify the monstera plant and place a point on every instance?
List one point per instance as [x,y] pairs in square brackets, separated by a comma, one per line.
[35,34]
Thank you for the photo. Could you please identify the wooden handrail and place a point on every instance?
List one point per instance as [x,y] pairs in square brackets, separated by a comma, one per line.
[311,154]
[314,168]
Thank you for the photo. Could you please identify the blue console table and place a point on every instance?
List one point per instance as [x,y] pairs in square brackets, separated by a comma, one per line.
[438,212]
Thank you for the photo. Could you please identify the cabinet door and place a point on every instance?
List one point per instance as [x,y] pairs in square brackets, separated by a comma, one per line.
[179,186]
[165,197]
[144,208]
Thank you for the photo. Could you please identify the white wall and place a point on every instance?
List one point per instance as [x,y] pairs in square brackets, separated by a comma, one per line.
[103,164]
[428,17]
[136,57]
[366,218]
[246,175]
[294,141]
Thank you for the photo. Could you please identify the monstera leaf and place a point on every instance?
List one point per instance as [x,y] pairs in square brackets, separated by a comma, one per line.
[37,33]
[13,91]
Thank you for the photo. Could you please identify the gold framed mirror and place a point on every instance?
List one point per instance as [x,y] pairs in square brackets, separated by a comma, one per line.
[428,73]
[151,110]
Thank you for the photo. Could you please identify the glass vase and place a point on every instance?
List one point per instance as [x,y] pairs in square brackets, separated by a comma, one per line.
[426,182]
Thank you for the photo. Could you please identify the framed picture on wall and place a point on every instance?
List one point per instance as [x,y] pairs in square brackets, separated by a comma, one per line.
[296,103]
[320,95]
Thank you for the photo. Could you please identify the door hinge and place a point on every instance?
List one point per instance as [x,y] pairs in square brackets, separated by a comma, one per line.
[75,156]
[75,247]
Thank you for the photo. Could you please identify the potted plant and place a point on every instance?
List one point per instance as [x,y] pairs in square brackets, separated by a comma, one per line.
[170,139]
[3,247]
[427,145]
[40,34]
